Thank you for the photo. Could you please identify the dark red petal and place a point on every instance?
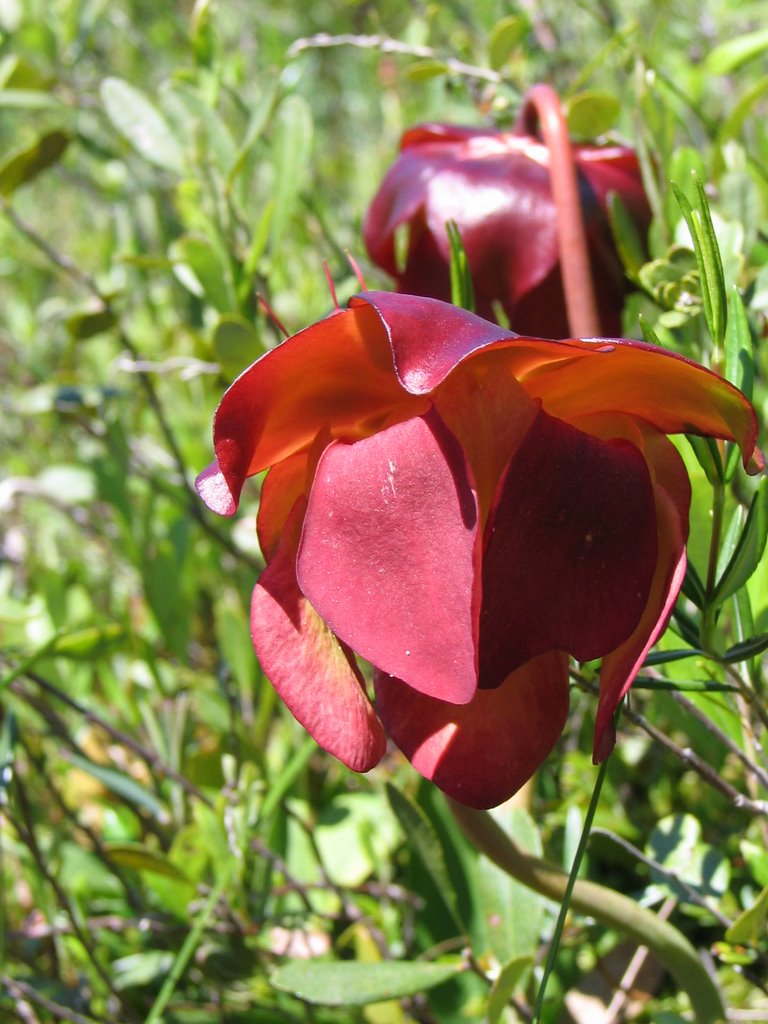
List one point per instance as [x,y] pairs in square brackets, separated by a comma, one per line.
[570,549]
[389,555]
[314,676]
[428,337]
[482,752]
[673,495]
[336,375]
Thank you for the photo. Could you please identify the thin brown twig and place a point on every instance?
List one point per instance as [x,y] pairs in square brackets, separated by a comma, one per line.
[151,759]
[755,769]
[20,989]
[704,770]
[689,757]
[96,844]
[26,832]
[384,44]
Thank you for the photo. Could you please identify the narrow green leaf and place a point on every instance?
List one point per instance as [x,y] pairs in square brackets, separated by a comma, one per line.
[693,587]
[425,841]
[503,988]
[351,983]
[749,926]
[25,165]
[259,119]
[203,271]
[739,356]
[82,326]
[749,549]
[143,858]
[650,337]
[422,70]
[123,785]
[681,685]
[462,289]
[630,246]
[746,649]
[665,657]
[292,145]
[708,260]
[30,99]
[708,456]
[505,35]
[142,124]
[734,52]
[592,113]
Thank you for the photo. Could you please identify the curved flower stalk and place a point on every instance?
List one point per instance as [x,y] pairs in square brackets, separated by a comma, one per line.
[464,508]
[532,216]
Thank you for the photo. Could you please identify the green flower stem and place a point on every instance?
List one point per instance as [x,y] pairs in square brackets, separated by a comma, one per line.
[709,616]
[611,908]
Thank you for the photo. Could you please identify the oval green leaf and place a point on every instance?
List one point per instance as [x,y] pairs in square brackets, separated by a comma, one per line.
[592,113]
[142,124]
[351,983]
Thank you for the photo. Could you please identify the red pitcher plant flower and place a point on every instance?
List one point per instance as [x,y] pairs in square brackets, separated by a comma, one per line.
[463,508]
[519,202]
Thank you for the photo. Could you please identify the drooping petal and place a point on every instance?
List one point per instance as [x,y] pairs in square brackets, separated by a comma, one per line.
[482,752]
[213,488]
[619,668]
[570,549]
[335,375]
[671,392]
[314,676]
[390,554]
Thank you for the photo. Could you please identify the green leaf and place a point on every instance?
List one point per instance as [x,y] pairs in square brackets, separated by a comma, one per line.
[123,785]
[292,146]
[749,549]
[505,35]
[423,70]
[699,221]
[503,988]
[25,165]
[260,116]
[142,124]
[143,858]
[202,270]
[512,914]
[425,842]
[592,113]
[734,52]
[630,246]
[749,926]
[81,326]
[350,983]
[708,456]
[746,649]
[739,356]
[462,289]
[235,342]
[675,843]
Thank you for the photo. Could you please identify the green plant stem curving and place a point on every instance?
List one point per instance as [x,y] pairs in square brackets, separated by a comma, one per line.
[611,908]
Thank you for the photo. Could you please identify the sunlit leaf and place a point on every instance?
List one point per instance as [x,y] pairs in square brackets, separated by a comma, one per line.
[504,37]
[592,113]
[141,123]
[22,167]
[356,984]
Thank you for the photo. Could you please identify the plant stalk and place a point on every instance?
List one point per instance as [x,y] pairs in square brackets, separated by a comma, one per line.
[543,103]
[610,908]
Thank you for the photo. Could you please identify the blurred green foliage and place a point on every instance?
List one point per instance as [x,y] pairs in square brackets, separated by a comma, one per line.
[169,835]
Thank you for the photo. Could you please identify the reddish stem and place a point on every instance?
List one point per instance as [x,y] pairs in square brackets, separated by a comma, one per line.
[543,104]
